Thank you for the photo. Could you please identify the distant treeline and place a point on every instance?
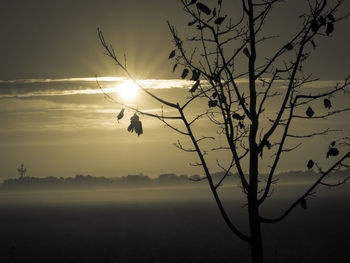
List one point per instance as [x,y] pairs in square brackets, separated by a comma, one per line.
[80,180]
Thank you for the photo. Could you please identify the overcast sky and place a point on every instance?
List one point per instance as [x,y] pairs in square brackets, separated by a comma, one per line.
[42,39]
[66,127]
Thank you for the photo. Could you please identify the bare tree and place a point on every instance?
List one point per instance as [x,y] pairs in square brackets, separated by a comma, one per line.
[217,44]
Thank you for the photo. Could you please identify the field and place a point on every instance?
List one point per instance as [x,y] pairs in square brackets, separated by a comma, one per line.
[166,225]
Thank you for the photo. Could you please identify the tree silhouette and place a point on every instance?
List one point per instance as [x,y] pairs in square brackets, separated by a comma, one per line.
[217,53]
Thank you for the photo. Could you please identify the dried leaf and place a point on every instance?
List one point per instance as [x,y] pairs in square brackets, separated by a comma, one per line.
[222,98]
[303,203]
[192,22]
[219,20]
[215,94]
[138,128]
[289,46]
[314,25]
[195,75]
[201,26]
[309,112]
[216,78]
[310,164]
[135,125]
[174,67]
[212,103]
[214,15]
[313,44]
[195,86]
[130,128]
[134,118]
[332,151]
[121,114]
[268,145]
[242,100]
[172,54]
[184,73]
[322,21]
[192,2]
[327,103]
[203,8]
[331,17]
[246,52]
[238,117]
[330,28]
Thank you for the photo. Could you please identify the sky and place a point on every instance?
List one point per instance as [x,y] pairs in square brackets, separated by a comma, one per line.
[55,119]
[58,39]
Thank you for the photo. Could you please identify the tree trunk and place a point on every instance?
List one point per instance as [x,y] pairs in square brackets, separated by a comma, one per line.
[253,207]
[256,247]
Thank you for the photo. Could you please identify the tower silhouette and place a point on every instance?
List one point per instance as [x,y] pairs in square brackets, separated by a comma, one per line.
[22,171]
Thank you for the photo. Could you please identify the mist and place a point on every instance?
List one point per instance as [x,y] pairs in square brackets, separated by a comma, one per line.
[165,224]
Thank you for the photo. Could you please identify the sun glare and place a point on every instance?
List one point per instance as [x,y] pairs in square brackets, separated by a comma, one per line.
[128,90]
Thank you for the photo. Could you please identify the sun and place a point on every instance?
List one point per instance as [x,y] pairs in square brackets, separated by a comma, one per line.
[128,90]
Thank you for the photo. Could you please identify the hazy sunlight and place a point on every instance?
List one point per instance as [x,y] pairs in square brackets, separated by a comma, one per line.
[128,90]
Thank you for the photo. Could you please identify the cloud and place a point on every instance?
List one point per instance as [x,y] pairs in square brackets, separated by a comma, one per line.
[24,88]
[26,81]
[78,104]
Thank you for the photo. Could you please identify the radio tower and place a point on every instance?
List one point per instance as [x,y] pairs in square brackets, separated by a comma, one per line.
[22,171]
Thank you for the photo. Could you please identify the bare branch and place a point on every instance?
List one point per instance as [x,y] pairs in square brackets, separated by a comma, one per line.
[179,146]
[324,132]
[111,53]
[307,193]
